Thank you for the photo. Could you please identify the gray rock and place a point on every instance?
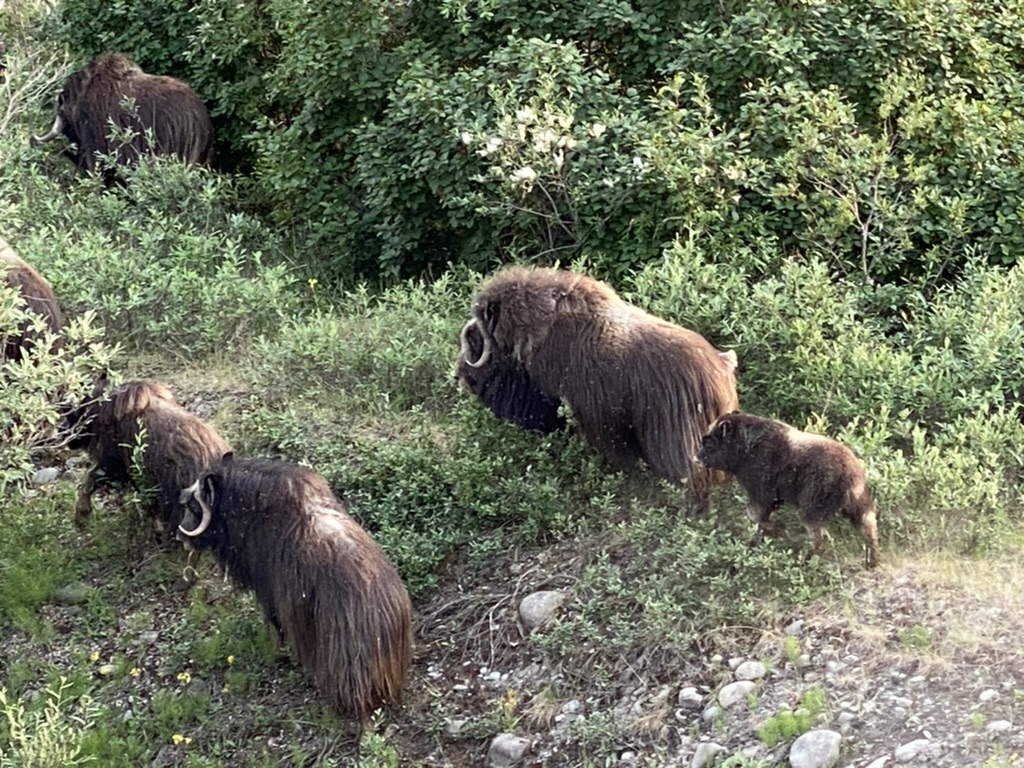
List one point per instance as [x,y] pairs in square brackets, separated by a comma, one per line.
[987,695]
[538,607]
[45,476]
[815,749]
[997,726]
[75,593]
[909,751]
[506,750]
[794,628]
[711,714]
[735,692]
[106,670]
[751,670]
[705,754]
[149,637]
[689,698]
[879,762]
[453,728]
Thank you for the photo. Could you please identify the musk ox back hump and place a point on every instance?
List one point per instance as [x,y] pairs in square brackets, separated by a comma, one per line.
[331,592]
[38,296]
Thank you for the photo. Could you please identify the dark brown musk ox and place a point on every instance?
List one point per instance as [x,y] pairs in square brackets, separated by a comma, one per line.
[163,115]
[505,387]
[177,447]
[38,297]
[325,586]
[778,464]
[639,387]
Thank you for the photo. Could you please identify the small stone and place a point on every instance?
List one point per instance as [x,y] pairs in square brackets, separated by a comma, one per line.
[735,692]
[717,659]
[149,636]
[987,695]
[997,726]
[75,593]
[803,660]
[751,670]
[711,714]
[903,701]
[794,628]
[815,749]
[506,750]
[537,608]
[917,680]
[45,476]
[453,728]
[572,707]
[689,698]
[845,718]
[735,662]
[879,762]
[705,754]
[909,751]
[812,677]
[106,670]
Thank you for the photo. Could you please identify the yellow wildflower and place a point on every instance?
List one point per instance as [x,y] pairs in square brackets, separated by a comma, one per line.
[135,672]
[94,656]
[179,739]
[231,659]
[184,677]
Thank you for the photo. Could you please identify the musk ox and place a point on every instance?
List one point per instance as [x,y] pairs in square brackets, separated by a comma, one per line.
[178,446]
[778,464]
[113,89]
[640,387]
[39,299]
[505,387]
[324,585]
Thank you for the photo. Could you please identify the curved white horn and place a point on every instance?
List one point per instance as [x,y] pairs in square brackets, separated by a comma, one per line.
[58,126]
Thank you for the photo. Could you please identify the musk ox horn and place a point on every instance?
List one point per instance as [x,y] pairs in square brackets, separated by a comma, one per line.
[485,355]
[58,127]
[207,514]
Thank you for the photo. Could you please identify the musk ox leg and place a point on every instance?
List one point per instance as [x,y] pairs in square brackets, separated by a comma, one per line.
[819,537]
[83,505]
[868,527]
[766,527]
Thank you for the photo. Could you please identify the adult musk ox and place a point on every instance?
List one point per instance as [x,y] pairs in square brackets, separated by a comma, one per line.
[505,387]
[113,89]
[325,586]
[640,387]
[778,464]
[178,446]
[39,299]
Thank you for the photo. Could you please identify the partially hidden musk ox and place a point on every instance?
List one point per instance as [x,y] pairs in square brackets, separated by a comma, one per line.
[639,387]
[778,464]
[38,297]
[113,89]
[177,447]
[325,586]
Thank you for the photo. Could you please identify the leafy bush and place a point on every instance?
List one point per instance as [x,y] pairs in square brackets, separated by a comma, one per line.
[49,736]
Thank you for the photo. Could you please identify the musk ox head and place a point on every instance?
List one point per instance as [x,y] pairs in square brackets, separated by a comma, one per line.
[38,297]
[504,386]
[163,115]
[723,447]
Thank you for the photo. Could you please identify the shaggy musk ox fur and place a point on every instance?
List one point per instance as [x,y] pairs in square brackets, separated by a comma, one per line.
[95,97]
[640,387]
[505,387]
[38,296]
[179,446]
[325,586]
[778,464]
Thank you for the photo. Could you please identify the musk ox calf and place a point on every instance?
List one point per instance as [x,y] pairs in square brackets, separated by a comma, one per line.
[325,586]
[640,387]
[778,464]
[505,387]
[39,300]
[177,447]
[163,114]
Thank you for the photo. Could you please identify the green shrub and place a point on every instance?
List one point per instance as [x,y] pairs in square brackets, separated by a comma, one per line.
[48,736]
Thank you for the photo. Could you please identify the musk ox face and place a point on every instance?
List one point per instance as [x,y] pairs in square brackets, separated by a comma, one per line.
[325,586]
[641,388]
[722,447]
[38,297]
[163,115]
[505,386]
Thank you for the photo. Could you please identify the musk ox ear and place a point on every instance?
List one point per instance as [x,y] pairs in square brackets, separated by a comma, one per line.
[489,313]
[229,456]
[209,489]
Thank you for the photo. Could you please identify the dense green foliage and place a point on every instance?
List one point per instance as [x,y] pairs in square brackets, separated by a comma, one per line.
[395,138]
[829,189]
